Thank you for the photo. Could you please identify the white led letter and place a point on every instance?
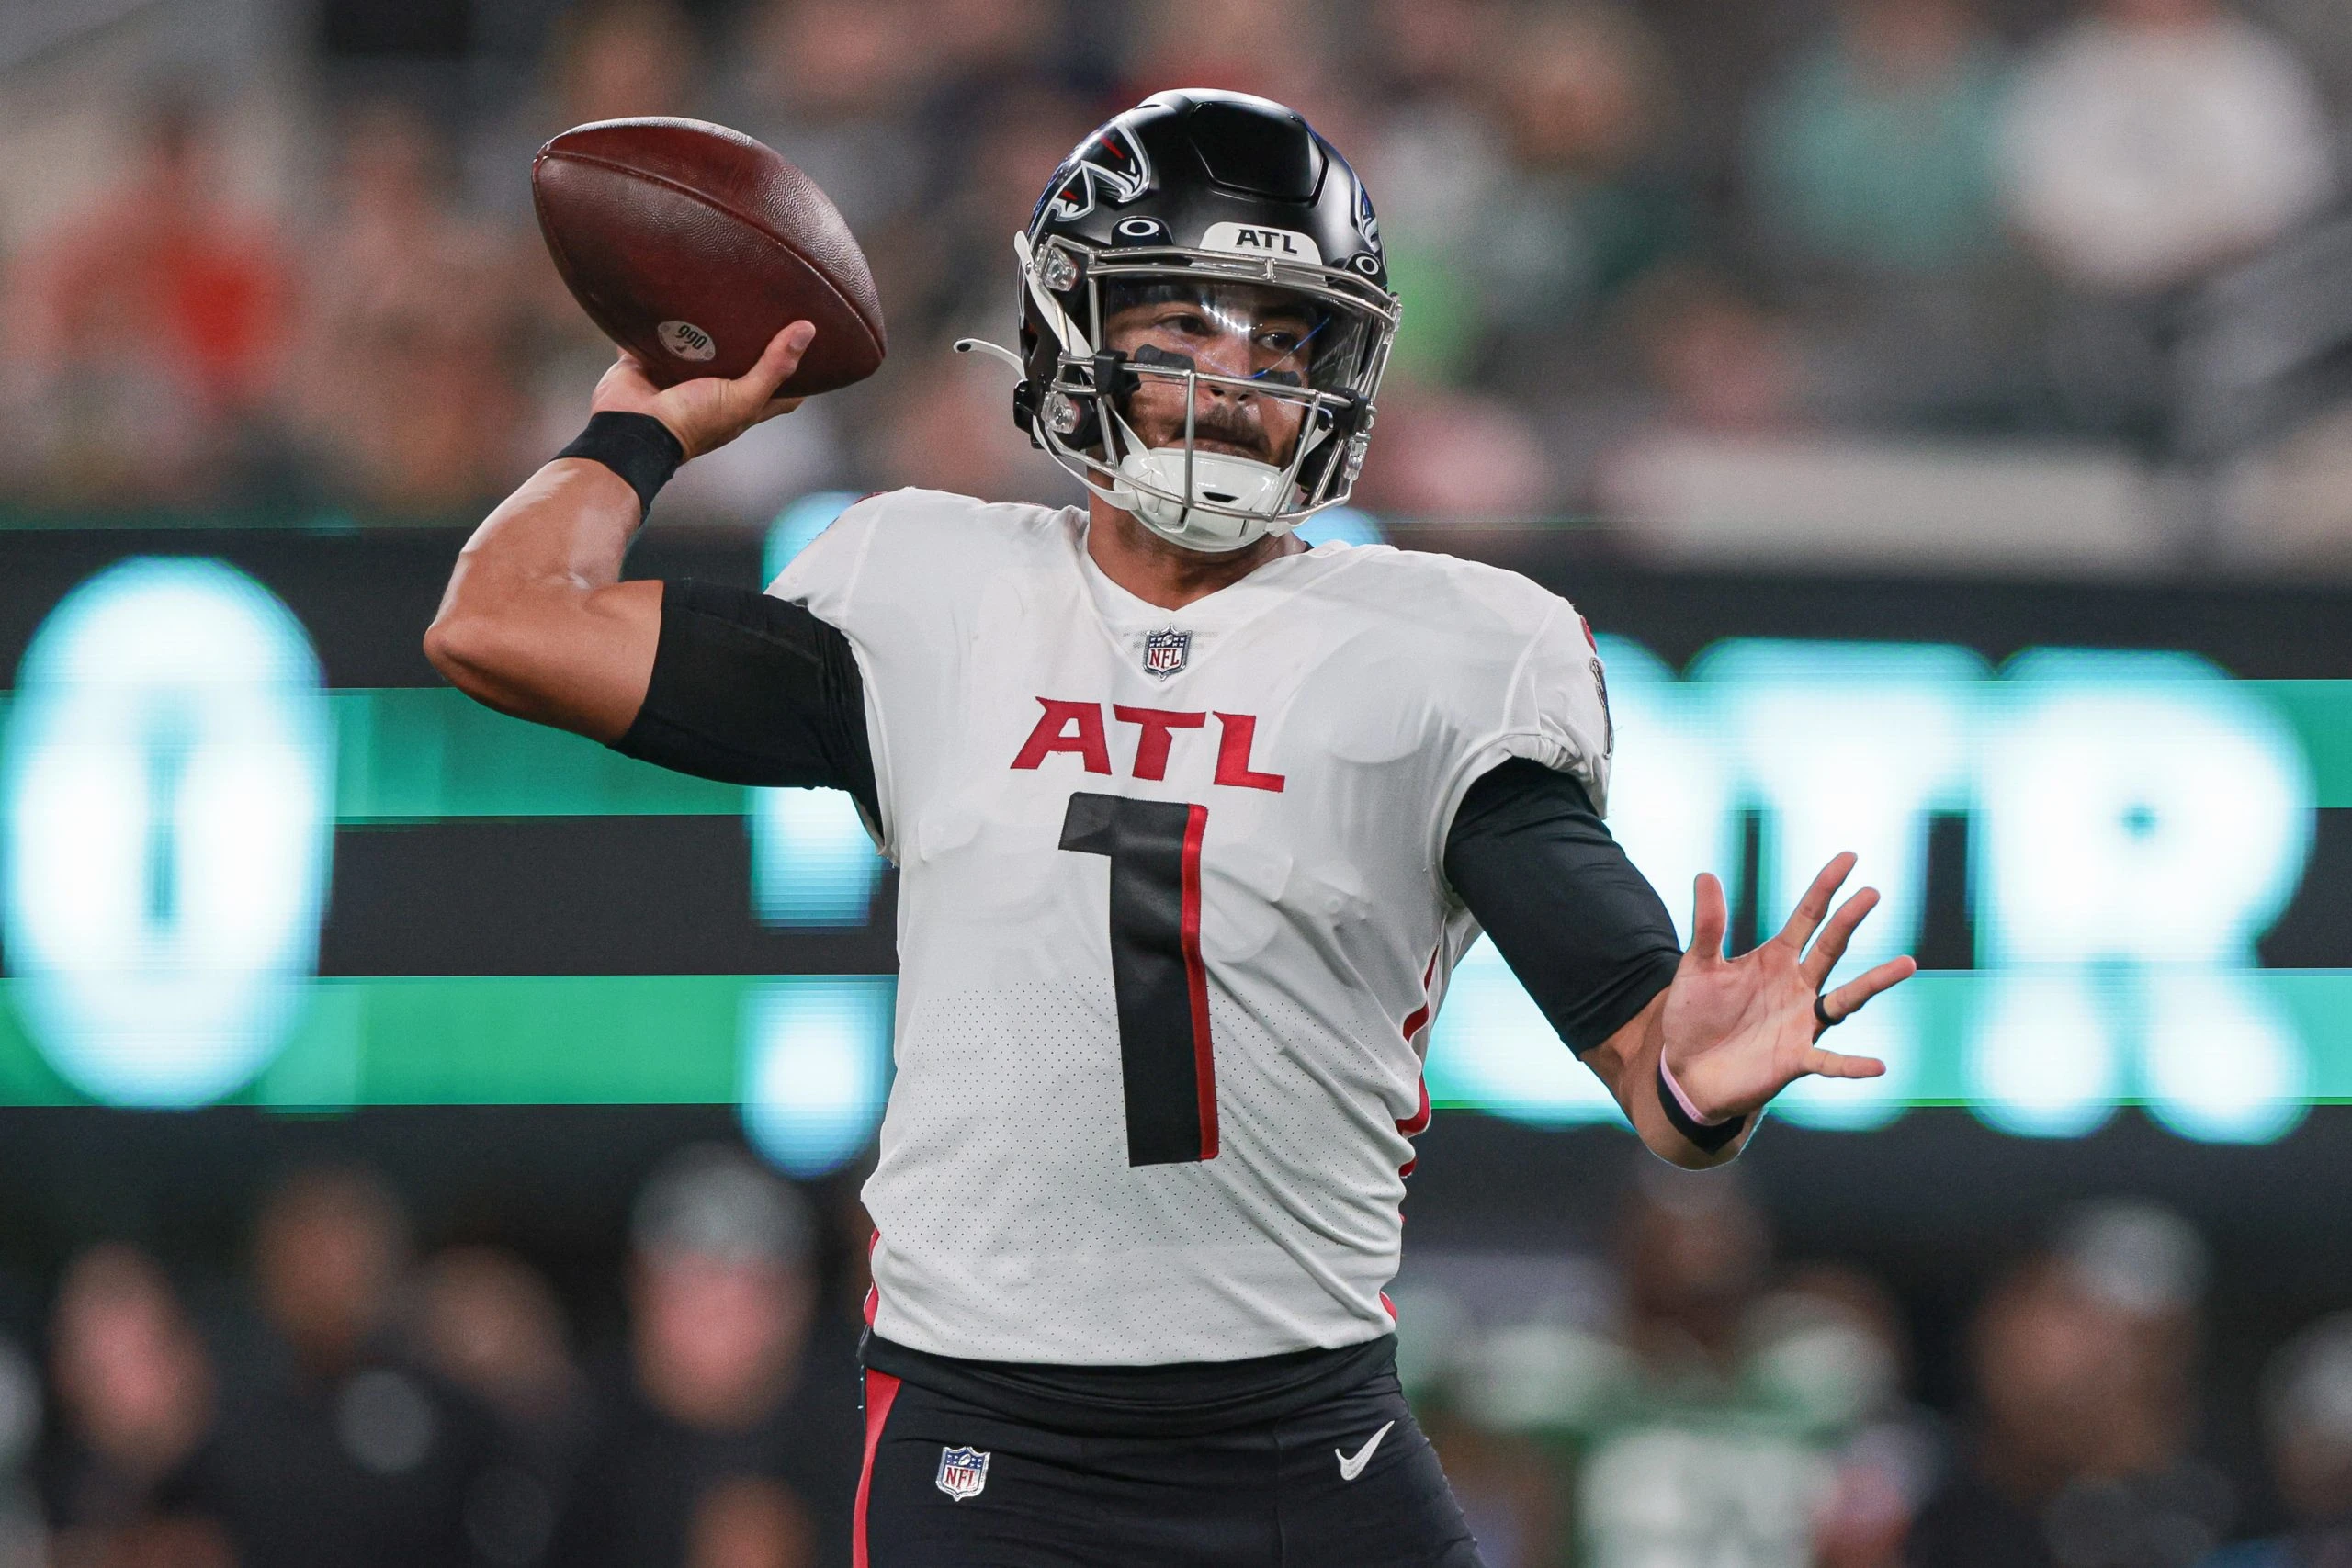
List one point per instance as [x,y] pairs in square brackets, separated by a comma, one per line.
[1850,746]
[1674,780]
[816,1067]
[2141,809]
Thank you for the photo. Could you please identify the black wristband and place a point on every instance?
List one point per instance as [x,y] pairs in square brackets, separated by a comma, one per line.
[1707,1140]
[636,447]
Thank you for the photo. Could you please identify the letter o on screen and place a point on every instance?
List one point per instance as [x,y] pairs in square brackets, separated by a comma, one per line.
[167,788]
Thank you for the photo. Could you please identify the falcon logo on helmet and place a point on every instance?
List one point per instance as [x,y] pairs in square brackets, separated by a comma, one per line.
[1204,319]
[1106,164]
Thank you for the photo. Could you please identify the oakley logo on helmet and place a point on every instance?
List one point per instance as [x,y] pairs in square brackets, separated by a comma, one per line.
[1108,166]
[1286,244]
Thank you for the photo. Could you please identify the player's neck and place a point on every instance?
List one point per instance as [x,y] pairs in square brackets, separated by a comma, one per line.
[1168,575]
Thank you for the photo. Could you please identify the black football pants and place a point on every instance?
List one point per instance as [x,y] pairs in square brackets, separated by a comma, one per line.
[1349,1484]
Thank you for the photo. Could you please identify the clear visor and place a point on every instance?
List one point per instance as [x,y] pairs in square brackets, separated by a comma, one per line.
[1247,336]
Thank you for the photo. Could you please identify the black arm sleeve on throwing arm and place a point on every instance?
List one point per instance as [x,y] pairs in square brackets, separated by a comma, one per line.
[1581,928]
[750,690]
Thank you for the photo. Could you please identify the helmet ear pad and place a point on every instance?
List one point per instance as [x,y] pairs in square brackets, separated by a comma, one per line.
[1347,425]
[1028,393]
[1113,382]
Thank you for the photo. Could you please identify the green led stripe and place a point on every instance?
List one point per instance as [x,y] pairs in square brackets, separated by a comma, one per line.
[675,1039]
[414,754]
[2320,712]
[476,1040]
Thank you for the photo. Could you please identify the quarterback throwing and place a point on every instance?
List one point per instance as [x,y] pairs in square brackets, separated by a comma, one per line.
[1193,822]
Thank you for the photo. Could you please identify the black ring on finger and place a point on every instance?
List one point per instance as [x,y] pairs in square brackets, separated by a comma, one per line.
[1821,1015]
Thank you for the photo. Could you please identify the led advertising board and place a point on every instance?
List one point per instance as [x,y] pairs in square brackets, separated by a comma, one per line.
[174,770]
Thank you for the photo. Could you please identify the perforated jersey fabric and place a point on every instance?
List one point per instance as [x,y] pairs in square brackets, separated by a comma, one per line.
[1155,1089]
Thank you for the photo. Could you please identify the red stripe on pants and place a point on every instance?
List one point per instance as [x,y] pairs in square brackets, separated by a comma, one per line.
[881,1388]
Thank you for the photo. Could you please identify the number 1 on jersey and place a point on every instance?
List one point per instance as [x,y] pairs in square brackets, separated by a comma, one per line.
[1166,1063]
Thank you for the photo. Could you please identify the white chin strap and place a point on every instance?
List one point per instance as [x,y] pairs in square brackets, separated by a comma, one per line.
[1220,479]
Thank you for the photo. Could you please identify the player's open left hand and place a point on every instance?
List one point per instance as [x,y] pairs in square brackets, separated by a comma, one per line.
[1738,1031]
[707,412]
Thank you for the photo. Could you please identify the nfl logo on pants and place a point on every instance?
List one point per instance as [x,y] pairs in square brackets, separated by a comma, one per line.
[963,1471]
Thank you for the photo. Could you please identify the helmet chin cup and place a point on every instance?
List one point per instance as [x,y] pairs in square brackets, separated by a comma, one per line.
[1239,485]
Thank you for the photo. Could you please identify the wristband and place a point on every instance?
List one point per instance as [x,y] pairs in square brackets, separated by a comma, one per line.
[636,447]
[1708,1138]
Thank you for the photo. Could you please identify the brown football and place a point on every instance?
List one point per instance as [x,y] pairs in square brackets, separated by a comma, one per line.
[692,245]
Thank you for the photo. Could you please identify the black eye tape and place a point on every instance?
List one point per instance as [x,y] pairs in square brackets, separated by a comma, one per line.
[1166,359]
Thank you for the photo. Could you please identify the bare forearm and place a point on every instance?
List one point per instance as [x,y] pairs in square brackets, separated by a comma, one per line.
[535,621]
[1627,1063]
[569,522]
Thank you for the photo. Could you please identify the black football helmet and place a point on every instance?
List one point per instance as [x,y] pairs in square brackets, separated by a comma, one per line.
[1228,217]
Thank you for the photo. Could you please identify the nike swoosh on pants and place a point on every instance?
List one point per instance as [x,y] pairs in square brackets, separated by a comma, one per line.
[1351,1468]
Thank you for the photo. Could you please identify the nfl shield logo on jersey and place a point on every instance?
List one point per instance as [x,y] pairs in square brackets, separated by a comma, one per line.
[1164,653]
[963,1471]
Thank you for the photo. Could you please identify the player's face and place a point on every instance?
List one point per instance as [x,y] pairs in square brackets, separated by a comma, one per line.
[1248,333]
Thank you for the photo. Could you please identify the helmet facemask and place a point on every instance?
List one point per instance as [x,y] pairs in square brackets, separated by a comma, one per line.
[1218,397]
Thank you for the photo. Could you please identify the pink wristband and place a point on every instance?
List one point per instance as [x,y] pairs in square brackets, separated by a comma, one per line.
[1666,1076]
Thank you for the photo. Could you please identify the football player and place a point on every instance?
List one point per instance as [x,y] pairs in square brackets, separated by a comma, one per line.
[1193,822]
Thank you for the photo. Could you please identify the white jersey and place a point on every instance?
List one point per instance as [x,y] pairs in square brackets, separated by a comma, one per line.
[1172,919]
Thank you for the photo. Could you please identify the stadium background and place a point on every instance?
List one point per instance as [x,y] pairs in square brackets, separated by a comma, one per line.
[1940,405]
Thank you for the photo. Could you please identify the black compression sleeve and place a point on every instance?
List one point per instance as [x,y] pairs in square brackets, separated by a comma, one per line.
[748,689]
[1578,923]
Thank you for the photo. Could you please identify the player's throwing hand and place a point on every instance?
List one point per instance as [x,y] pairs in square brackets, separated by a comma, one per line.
[707,412]
[1738,1031]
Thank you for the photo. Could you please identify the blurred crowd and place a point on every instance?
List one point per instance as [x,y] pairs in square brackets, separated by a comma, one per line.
[352,1406]
[1635,242]
[1683,1400]
[1693,1403]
